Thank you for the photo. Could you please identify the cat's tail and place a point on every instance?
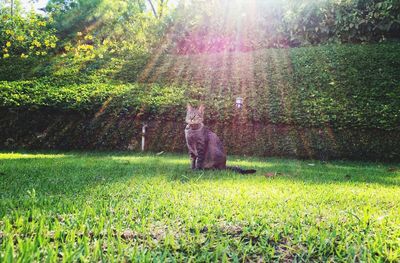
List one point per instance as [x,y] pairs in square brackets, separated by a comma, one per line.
[240,170]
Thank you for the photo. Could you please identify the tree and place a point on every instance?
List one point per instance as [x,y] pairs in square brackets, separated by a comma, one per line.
[24,35]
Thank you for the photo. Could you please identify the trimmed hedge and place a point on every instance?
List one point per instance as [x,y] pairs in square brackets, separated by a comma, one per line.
[338,85]
[353,86]
[88,97]
[334,101]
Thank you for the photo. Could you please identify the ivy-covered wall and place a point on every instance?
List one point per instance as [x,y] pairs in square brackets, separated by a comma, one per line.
[334,101]
[346,86]
[71,130]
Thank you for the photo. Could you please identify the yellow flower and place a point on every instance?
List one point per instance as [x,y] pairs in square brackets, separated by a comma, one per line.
[8,44]
[23,55]
[88,37]
[6,55]
[79,34]
[53,45]
[85,47]
[20,38]
[36,43]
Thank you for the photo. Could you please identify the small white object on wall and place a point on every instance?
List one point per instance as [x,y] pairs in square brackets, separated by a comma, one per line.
[239,102]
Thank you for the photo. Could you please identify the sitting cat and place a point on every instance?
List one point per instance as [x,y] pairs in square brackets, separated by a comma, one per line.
[205,148]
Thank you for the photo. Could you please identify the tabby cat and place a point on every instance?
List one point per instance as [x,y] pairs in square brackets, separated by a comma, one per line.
[205,148]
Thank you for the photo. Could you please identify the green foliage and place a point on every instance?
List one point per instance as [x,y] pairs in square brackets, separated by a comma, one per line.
[215,26]
[98,39]
[344,86]
[132,207]
[25,35]
[351,86]
[44,94]
[72,16]
[311,22]
[16,68]
[104,45]
[105,26]
[82,97]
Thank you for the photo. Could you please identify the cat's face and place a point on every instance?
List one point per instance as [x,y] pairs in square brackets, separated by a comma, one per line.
[193,115]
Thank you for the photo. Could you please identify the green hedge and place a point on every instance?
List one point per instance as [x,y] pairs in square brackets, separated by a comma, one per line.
[337,85]
[349,86]
[110,130]
[343,86]
[335,101]
[42,93]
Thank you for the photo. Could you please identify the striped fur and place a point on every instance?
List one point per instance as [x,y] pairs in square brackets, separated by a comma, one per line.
[205,148]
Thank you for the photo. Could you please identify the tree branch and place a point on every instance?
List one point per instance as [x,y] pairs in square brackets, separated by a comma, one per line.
[152,8]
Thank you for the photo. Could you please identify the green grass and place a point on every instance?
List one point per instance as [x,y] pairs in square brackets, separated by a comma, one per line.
[120,207]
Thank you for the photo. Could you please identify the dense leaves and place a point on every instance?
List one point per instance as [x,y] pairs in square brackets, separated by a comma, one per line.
[337,85]
[215,26]
[24,36]
[85,57]
[351,85]
[83,97]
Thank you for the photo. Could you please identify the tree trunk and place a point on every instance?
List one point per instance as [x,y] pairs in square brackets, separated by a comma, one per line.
[12,8]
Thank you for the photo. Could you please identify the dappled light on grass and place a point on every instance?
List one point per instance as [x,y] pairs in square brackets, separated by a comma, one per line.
[131,206]
[184,160]
[151,159]
[6,156]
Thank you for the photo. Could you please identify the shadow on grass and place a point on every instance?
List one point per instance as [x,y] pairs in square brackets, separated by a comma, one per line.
[69,174]
[336,173]
[72,179]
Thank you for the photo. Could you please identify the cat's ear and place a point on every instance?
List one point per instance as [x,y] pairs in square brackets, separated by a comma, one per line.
[201,108]
[188,107]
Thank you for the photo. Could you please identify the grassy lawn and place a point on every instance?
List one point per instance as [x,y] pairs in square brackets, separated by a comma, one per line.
[120,206]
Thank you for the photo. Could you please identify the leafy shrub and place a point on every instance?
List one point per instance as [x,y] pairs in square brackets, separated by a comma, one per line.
[336,85]
[84,97]
[340,86]
[334,101]
[25,35]
[205,27]
[349,86]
